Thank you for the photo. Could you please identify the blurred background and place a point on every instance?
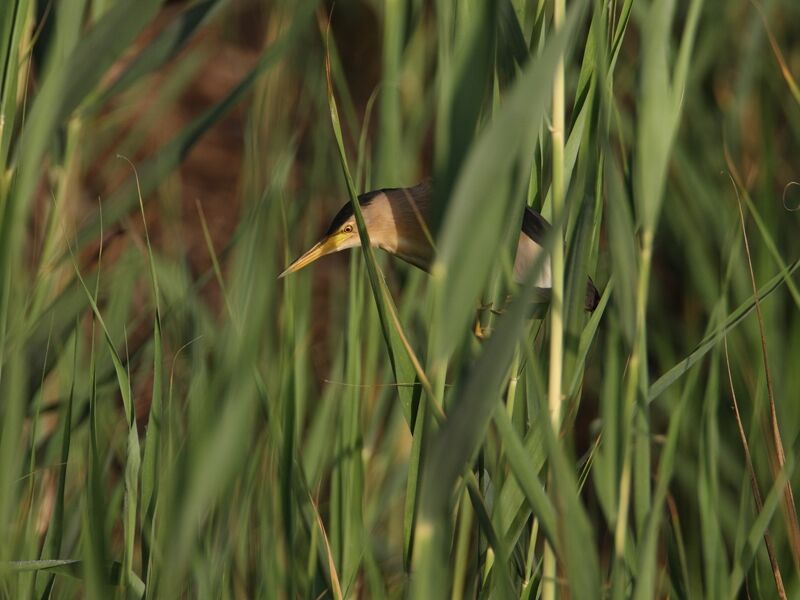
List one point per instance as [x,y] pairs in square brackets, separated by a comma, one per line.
[177,422]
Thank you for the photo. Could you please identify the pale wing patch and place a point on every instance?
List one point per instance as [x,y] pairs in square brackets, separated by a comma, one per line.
[528,252]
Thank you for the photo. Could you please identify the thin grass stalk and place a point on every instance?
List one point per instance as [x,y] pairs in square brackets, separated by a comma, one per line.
[786,72]
[95,514]
[751,472]
[661,110]
[462,545]
[557,252]
[631,387]
[775,443]
[530,558]
[150,463]
[390,324]
[773,435]
[557,274]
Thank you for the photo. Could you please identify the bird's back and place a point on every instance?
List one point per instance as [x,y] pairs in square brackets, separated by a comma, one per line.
[404,230]
[535,226]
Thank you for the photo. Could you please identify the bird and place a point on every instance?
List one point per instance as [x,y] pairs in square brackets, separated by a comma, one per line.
[397,222]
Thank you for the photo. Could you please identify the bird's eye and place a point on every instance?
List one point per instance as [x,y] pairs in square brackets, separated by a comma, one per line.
[348,229]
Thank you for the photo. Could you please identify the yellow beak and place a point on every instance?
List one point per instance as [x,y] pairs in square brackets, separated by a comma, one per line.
[326,246]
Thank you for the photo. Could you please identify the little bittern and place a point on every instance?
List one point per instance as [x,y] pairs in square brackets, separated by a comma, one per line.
[396,220]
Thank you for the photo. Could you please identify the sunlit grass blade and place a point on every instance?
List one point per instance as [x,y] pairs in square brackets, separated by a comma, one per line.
[714,338]
[71,568]
[759,503]
[741,561]
[133,455]
[336,587]
[150,461]
[404,363]
[775,440]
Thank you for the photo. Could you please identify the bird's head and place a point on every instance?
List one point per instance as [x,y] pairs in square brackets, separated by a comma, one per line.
[341,234]
[395,222]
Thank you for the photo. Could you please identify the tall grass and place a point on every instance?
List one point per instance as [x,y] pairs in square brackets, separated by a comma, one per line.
[177,422]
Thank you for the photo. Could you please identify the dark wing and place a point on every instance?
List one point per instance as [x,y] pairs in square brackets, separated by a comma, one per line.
[592,297]
[535,226]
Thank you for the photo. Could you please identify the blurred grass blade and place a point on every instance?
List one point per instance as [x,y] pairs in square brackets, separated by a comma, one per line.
[464,86]
[61,93]
[661,102]
[300,449]
[153,170]
[512,51]
[474,402]
[622,249]
[511,497]
[72,568]
[12,21]
[577,554]
[390,155]
[150,461]
[477,215]
[786,72]
[619,31]
[455,445]
[167,45]
[415,461]
[133,455]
